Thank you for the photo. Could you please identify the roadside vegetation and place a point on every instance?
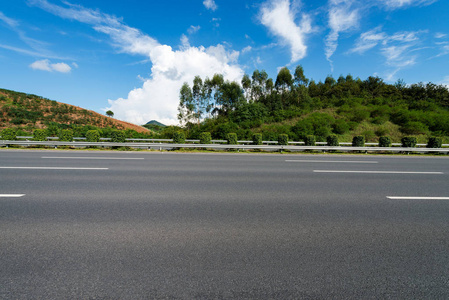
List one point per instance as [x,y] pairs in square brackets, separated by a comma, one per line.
[298,107]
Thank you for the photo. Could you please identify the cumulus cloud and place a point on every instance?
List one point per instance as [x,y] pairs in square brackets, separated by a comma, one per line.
[158,98]
[342,17]
[279,18]
[46,65]
[210,4]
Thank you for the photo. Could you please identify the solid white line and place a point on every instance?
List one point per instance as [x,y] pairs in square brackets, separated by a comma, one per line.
[80,157]
[53,168]
[11,195]
[417,198]
[335,161]
[376,172]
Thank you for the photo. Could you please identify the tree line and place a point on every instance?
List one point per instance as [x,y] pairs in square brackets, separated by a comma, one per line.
[335,106]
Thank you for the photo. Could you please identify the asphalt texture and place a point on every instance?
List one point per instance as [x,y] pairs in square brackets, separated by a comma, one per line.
[222,226]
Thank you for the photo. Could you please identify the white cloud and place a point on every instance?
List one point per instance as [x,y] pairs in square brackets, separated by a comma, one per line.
[246,49]
[279,18]
[210,4]
[398,56]
[440,35]
[342,18]
[158,98]
[395,4]
[368,40]
[399,49]
[193,29]
[11,22]
[45,65]
[61,67]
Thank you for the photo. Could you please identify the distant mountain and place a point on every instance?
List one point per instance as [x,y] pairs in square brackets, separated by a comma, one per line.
[27,112]
[154,122]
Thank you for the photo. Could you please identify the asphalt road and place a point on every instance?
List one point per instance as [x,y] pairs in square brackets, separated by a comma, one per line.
[115,225]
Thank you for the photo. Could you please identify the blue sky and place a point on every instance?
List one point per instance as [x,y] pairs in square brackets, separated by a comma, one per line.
[133,56]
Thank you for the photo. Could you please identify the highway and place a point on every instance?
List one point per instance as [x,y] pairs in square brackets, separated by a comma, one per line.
[150,225]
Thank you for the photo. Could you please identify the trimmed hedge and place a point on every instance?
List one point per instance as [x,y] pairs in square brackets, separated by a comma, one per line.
[408,142]
[257,139]
[205,138]
[332,140]
[358,141]
[310,140]
[66,135]
[384,141]
[231,138]
[9,134]
[93,136]
[179,137]
[118,136]
[40,135]
[434,142]
[283,139]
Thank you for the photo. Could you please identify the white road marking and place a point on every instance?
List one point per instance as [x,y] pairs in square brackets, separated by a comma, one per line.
[417,198]
[80,157]
[335,161]
[11,195]
[53,168]
[377,172]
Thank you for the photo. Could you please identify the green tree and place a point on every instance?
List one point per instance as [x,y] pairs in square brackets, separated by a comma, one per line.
[109,113]
[185,107]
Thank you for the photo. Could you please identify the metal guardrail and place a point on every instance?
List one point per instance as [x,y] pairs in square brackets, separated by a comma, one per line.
[167,146]
[29,138]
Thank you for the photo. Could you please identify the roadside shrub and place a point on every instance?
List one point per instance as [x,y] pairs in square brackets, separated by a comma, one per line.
[179,137]
[408,142]
[257,139]
[231,138]
[384,141]
[310,140]
[283,139]
[8,134]
[434,142]
[93,136]
[205,138]
[66,135]
[332,140]
[358,141]
[118,136]
[40,135]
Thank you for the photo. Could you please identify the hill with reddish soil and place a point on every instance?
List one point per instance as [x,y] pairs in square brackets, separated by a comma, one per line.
[27,112]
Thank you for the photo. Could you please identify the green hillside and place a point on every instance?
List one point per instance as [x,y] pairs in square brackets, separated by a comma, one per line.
[294,105]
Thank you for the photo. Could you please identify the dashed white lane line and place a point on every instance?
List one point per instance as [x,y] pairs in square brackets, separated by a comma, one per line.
[11,195]
[417,198]
[377,172]
[334,161]
[80,157]
[53,168]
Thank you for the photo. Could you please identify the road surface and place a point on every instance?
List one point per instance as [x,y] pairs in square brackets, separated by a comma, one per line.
[140,225]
